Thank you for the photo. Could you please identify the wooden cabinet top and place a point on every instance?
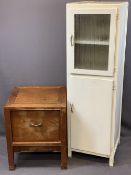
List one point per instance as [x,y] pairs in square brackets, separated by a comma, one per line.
[40,97]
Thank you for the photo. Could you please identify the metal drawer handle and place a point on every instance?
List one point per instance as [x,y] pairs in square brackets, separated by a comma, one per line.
[35,125]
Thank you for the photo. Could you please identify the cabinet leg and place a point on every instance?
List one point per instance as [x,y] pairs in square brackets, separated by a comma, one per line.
[69,152]
[11,159]
[111,160]
[63,157]
[119,141]
[9,139]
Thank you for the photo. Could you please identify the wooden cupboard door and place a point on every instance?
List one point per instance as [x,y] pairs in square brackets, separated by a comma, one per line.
[91,106]
[91,34]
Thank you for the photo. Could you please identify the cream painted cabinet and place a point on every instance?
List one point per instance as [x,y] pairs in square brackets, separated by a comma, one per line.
[96,40]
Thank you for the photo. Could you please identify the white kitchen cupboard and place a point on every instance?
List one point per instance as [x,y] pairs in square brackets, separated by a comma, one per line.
[96,41]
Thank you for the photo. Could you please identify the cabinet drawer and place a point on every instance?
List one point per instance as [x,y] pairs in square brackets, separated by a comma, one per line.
[35,125]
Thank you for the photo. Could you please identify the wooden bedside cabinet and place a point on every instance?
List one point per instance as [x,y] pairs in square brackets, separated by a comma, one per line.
[35,120]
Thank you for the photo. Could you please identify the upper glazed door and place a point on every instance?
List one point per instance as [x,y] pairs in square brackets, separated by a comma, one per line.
[92,40]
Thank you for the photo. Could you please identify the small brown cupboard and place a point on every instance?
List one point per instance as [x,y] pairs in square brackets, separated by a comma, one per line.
[35,120]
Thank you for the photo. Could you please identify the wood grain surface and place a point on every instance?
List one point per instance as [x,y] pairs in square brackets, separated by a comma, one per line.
[36,120]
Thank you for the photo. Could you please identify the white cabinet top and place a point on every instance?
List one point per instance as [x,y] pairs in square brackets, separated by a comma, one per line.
[97,3]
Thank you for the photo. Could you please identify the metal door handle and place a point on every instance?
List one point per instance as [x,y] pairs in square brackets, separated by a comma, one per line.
[72,40]
[71,108]
[35,125]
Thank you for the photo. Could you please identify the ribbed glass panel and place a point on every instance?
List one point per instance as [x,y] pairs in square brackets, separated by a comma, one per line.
[92,41]
[92,57]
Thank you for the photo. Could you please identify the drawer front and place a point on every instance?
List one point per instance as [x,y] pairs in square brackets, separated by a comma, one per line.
[29,126]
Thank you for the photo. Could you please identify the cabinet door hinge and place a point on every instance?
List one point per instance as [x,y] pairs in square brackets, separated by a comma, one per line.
[115,69]
[71,107]
[117,17]
[114,86]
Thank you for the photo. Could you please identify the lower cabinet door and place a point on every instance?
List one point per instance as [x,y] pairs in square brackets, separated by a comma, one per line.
[91,113]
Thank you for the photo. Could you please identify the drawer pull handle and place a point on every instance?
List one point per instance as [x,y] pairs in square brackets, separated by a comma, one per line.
[36,125]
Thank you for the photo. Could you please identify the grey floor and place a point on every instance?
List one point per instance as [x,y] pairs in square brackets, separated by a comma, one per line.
[79,164]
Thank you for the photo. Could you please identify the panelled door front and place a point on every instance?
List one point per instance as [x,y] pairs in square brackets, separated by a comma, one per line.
[91,105]
[91,40]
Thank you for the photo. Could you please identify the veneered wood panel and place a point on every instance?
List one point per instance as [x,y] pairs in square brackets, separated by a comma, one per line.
[35,125]
[36,148]
[37,97]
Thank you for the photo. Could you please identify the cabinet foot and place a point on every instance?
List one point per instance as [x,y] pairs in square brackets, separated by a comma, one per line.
[111,161]
[11,159]
[119,141]
[63,157]
[69,153]
[12,167]
[63,167]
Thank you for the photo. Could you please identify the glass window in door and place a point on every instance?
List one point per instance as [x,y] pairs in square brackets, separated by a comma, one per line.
[92,33]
